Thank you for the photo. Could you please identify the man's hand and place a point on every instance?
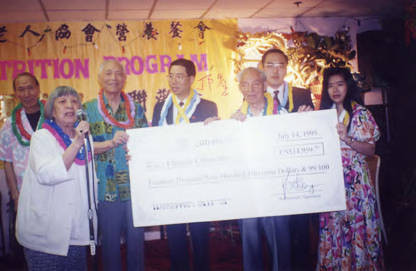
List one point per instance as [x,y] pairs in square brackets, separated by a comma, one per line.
[305,108]
[120,137]
[210,119]
[239,116]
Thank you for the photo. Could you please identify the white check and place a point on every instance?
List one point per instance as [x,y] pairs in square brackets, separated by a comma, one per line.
[264,166]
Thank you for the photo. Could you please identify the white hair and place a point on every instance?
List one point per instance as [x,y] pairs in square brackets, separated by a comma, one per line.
[260,72]
[107,61]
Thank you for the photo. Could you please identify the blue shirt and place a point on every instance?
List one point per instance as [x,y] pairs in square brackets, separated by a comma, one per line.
[111,166]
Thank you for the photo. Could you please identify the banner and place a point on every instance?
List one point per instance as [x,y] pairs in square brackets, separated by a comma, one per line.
[264,166]
[69,53]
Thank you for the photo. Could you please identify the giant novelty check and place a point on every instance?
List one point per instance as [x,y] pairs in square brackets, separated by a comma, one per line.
[264,166]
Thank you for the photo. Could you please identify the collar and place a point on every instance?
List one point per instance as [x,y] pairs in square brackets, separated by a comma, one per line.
[108,105]
[281,88]
[283,93]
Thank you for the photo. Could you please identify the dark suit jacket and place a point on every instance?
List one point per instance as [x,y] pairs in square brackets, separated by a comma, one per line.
[301,96]
[204,110]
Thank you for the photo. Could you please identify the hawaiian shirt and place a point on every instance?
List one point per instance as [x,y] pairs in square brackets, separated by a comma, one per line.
[12,151]
[111,166]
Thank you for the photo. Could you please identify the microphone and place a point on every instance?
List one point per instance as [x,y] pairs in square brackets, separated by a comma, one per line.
[81,115]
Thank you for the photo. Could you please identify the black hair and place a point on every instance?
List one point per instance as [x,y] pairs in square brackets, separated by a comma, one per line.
[187,64]
[353,91]
[25,74]
[272,51]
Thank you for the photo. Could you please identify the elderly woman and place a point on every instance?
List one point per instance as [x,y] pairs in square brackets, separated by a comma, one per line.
[53,222]
[351,239]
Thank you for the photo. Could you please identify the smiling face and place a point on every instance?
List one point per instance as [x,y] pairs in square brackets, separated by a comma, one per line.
[337,88]
[112,77]
[275,68]
[180,82]
[27,92]
[64,110]
[252,87]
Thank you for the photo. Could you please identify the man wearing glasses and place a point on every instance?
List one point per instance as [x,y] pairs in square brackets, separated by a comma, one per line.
[292,231]
[184,105]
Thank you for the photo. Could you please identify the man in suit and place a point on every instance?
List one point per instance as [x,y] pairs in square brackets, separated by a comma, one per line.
[184,105]
[292,231]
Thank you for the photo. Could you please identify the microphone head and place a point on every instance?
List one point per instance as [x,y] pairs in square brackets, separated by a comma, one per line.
[81,115]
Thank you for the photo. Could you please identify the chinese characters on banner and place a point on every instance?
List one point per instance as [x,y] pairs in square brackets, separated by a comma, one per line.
[69,53]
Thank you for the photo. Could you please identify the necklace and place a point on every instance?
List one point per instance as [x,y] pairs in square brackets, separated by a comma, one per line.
[130,110]
[17,125]
[64,140]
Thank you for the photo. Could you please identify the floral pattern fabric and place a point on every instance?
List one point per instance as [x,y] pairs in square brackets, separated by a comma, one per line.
[351,239]
[111,166]
[12,151]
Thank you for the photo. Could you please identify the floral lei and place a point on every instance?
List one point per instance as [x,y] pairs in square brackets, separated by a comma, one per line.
[64,140]
[269,109]
[17,125]
[130,111]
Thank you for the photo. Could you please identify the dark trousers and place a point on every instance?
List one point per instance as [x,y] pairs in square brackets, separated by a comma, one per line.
[252,230]
[301,240]
[283,238]
[178,246]
[76,260]
[115,218]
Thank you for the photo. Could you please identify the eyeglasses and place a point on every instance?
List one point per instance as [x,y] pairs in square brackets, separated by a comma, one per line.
[256,84]
[177,76]
[274,65]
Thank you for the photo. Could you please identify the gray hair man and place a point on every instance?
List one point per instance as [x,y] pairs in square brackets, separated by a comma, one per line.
[110,115]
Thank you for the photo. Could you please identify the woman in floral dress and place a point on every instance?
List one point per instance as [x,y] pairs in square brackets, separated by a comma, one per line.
[351,239]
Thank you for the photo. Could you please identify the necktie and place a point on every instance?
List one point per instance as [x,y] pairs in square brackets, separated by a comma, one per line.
[275,97]
[181,103]
[275,102]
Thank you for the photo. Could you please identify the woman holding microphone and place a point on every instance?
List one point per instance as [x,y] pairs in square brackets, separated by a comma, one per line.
[56,218]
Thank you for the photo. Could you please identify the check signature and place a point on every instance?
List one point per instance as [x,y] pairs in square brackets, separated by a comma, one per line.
[294,185]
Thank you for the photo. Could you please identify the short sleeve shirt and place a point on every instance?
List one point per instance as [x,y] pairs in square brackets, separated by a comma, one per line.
[111,166]
[12,151]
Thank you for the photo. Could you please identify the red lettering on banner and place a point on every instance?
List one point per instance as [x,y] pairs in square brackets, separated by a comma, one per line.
[126,63]
[165,61]
[17,69]
[30,63]
[153,65]
[79,68]
[82,68]
[133,67]
[202,65]
[70,68]
[156,63]
[61,68]
[56,68]
[43,63]
[3,75]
